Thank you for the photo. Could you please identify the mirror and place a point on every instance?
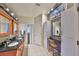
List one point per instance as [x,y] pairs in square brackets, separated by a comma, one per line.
[4,24]
[15,27]
[57,28]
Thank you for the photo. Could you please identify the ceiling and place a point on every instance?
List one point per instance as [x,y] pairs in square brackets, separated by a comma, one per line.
[30,9]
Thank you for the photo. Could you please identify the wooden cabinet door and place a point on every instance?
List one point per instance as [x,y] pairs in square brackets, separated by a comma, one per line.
[20,50]
[8,53]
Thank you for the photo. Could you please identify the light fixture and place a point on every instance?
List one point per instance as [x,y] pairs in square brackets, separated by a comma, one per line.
[51,9]
[16,18]
[12,14]
[7,9]
[55,11]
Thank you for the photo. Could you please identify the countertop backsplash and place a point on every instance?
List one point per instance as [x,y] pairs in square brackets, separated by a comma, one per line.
[2,39]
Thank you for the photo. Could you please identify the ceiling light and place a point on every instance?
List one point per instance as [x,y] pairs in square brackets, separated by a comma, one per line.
[51,9]
[55,11]
[16,18]
[12,14]
[7,9]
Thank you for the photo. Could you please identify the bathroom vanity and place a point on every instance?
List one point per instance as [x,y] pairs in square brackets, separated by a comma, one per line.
[12,47]
[54,45]
[9,45]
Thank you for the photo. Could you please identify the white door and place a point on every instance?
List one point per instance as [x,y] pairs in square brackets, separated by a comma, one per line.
[68,32]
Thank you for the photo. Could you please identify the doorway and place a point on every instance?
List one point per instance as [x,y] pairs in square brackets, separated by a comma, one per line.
[29,33]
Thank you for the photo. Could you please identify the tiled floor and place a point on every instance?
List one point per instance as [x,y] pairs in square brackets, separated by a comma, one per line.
[35,50]
[25,51]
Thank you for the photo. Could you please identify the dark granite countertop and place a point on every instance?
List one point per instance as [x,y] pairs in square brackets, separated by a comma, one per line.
[4,49]
[57,38]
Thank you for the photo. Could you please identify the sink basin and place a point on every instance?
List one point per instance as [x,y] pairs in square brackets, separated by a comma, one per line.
[19,38]
[13,44]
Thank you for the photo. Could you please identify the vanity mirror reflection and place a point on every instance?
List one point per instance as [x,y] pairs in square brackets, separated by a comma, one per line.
[56,26]
[15,27]
[4,25]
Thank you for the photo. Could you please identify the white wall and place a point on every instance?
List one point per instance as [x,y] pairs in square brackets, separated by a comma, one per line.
[41,28]
[22,26]
[37,30]
[46,29]
[44,18]
[27,20]
[23,22]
